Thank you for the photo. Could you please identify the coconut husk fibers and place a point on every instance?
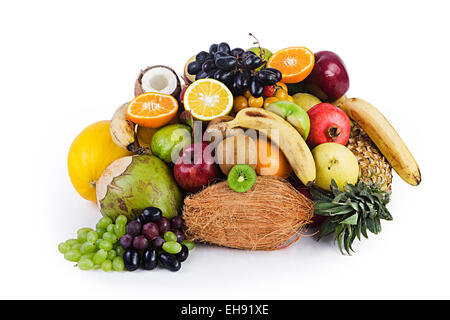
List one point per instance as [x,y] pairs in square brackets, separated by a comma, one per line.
[271,215]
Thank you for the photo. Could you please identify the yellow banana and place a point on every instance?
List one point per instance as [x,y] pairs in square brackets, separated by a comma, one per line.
[123,131]
[290,141]
[385,138]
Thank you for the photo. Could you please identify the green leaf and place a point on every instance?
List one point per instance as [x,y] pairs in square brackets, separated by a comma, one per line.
[340,198]
[321,195]
[371,225]
[339,241]
[358,228]
[338,231]
[354,205]
[377,225]
[334,188]
[364,228]
[347,240]
[327,209]
[371,208]
[352,239]
[327,228]
[352,220]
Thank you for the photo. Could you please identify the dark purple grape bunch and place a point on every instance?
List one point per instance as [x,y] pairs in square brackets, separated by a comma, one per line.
[236,68]
[152,238]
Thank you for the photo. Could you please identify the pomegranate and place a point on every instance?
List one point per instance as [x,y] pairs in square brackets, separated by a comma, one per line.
[328,124]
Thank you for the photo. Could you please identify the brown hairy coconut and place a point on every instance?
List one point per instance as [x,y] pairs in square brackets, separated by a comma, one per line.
[270,216]
[162,79]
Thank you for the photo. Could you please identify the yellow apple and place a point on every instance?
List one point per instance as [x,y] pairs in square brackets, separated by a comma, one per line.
[335,161]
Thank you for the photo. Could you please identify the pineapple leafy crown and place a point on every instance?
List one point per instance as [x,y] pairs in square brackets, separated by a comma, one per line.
[351,211]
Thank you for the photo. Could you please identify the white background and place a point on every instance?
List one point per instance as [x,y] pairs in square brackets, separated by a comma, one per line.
[65,65]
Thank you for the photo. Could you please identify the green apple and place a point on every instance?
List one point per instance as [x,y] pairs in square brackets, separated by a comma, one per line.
[335,161]
[168,141]
[293,114]
[266,54]
[306,100]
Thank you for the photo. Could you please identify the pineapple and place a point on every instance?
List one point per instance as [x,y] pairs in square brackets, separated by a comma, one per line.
[351,212]
[373,167]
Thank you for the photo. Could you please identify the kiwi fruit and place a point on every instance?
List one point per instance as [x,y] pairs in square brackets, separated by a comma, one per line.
[241,178]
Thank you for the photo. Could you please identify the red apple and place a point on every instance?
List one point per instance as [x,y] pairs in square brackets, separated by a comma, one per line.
[329,79]
[196,168]
[328,123]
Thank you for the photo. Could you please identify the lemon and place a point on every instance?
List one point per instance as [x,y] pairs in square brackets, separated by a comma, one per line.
[207,99]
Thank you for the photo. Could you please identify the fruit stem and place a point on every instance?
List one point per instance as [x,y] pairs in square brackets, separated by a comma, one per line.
[134,147]
[259,46]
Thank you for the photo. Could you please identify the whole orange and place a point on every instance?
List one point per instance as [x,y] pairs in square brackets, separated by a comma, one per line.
[271,161]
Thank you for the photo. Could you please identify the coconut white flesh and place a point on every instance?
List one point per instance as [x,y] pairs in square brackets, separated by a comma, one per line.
[113,170]
[159,79]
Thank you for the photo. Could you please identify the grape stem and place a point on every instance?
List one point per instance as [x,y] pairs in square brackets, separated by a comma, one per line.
[259,46]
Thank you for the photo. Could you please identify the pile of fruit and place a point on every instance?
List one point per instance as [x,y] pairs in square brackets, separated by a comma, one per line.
[246,150]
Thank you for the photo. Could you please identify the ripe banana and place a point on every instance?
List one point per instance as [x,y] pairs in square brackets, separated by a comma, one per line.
[385,138]
[123,131]
[290,141]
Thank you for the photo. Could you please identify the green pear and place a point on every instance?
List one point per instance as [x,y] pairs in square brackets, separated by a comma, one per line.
[266,54]
[293,114]
[306,100]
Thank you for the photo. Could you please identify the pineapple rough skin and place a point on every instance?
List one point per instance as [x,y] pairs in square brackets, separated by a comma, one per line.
[373,166]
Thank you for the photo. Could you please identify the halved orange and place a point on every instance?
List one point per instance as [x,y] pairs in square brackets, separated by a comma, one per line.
[295,63]
[152,109]
[207,99]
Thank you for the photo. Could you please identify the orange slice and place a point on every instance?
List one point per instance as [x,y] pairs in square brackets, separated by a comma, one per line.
[295,63]
[152,109]
[207,99]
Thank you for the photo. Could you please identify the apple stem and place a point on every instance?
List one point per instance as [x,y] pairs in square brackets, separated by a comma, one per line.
[333,132]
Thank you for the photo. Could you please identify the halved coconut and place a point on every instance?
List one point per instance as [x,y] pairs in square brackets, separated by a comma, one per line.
[160,79]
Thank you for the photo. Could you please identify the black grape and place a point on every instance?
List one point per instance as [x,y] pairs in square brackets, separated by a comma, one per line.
[237,52]
[267,77]
[252,62]
[276,71]
[224,47]
[213,48]
[243,80]
[202,56]
[234,89]
[256,88]
[194,67]
[150,259]
[201,75]
[131,260]
[183,254]
[251,53]
[224,76]
[226,63]
[209,65]
[220,54]
[169,261]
